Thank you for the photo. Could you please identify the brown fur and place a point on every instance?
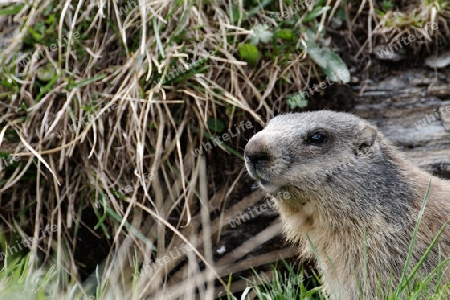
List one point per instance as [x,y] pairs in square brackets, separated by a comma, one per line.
[352,187]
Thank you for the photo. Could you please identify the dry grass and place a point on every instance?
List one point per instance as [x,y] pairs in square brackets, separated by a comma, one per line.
[103,128]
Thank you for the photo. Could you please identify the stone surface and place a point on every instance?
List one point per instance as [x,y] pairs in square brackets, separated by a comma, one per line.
[409,107]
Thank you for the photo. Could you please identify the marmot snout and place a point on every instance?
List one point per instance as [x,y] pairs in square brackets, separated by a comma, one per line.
[348,185]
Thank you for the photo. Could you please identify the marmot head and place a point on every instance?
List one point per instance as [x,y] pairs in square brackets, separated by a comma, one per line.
[305,149]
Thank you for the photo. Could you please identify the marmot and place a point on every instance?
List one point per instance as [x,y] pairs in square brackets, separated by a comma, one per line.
[354,198]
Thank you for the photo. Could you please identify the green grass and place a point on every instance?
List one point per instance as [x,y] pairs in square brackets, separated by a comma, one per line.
[287,285]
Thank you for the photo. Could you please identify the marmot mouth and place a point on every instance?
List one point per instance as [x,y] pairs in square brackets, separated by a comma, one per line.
[264,181]
[270,186]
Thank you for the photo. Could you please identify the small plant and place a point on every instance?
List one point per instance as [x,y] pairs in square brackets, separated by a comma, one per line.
[285,286]
[387,5]
[297,100]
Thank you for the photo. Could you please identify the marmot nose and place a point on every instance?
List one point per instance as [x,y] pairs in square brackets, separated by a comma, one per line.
[257,158]
[256,152]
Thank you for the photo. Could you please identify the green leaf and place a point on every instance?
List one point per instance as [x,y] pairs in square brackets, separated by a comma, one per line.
[215,125]
[43,90]
[315,13]
[50,20]
[387,5]
[249,53]
[332,65]
[4,155]
[86,81]
[336,69]
[261,33]
[257,8]
[46,72]
[11,10]
[317,54]
[340,13]
[22,107]
[285,34]
[297,100]
[235,14]
[101,218]
[37,36]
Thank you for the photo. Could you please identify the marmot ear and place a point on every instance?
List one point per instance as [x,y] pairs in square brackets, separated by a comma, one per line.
[365,138]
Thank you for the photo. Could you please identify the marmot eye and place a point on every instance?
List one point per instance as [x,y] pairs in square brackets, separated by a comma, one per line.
[317,138]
